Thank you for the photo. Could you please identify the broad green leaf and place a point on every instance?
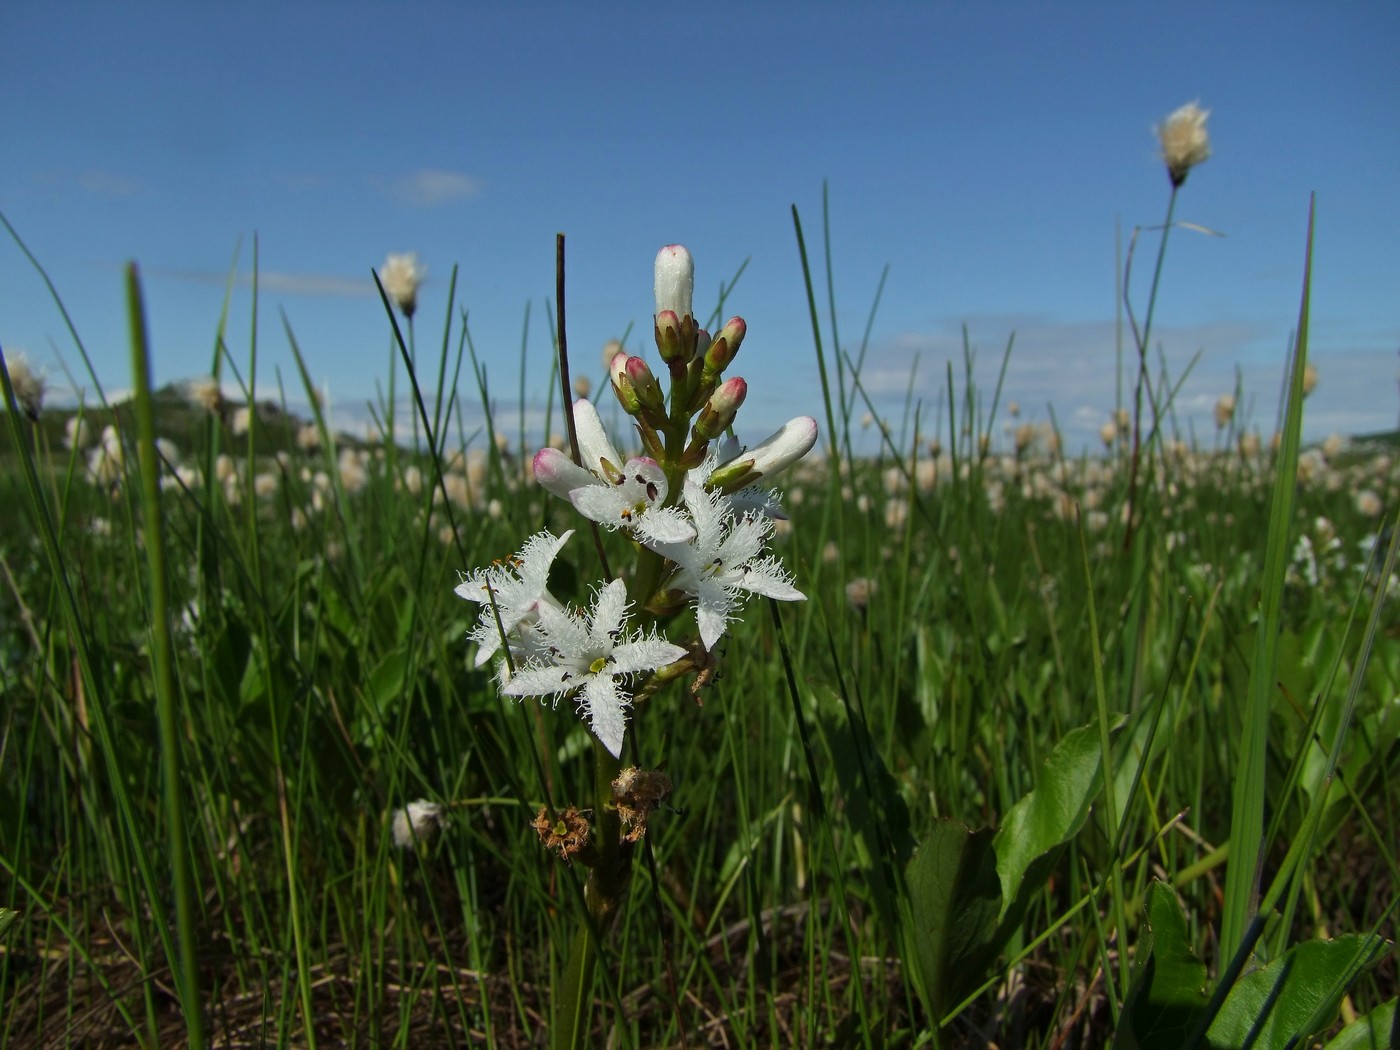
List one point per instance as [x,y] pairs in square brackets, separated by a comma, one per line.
[954,901]
[1051,814]
[1273,1006]
[1377,1030]
[1169,981]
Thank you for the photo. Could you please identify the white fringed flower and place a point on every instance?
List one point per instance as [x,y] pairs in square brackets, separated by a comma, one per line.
[722,565]
[515,590]
[592,655]
[1185,141]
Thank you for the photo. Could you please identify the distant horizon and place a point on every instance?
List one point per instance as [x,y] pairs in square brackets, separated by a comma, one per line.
[362,425]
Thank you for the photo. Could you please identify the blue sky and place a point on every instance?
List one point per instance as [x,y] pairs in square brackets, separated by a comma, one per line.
[985,152]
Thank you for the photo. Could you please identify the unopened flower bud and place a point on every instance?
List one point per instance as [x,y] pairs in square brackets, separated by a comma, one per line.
[1185,141]
[724,347]
[651,401]
[674,338]
[718,414]
[622,385]
[675,281]
[767,459]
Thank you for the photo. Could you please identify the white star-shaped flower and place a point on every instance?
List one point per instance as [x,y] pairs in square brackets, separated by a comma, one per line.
[628,495]
[592,655]
[722,564]
[516,590]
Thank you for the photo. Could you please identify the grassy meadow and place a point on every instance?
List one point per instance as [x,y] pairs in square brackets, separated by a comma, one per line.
[230,651]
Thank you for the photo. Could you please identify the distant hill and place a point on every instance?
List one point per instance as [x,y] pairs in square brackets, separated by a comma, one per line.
[179,420]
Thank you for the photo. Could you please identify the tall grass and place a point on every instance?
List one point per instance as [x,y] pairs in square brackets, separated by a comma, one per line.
[975,624]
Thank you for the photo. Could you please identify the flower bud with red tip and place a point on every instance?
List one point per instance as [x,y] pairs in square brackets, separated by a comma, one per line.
[724,348]
[718,414]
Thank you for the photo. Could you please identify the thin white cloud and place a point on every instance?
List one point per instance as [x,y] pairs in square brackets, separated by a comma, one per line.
[312,284]
[322,285]
[430,187]
[108,184]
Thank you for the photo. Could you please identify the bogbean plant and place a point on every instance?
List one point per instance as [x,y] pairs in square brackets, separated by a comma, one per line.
[698,511]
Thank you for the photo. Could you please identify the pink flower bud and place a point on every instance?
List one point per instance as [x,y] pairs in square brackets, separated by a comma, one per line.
[649,394]
[724,347]
[674,339]
[718,414]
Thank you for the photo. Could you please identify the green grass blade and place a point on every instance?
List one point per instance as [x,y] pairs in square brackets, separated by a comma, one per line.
[187,973]
[1247,803]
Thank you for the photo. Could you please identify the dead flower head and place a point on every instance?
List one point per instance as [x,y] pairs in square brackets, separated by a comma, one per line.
[636,794]
[567,834]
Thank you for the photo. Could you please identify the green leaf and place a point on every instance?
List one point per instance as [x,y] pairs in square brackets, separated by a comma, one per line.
[1295,995]
[1377,1030]
[954,900]
[1050,815]
[1168,991]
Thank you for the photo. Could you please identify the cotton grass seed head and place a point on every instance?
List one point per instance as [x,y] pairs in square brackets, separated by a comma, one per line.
[29,386]
[204,392]
[1224,410]
[401,275]
[1309,379]
[1184,140]
[418,821]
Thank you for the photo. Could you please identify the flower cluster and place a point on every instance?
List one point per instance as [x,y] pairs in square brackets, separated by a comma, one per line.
[690,501]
